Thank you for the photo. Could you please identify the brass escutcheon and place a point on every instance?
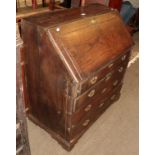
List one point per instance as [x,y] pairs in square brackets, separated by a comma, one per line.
[108,76]
[110,65]
[86,122]
[88,108]
[113,97]
[123,57]
[92,92]
[93,80]
[115,83]
[101,105]
[120,69]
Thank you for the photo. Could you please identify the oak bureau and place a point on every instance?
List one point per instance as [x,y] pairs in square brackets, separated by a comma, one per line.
[75,63]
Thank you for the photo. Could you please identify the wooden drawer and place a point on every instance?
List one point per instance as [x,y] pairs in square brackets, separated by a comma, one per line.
[90,106]
[121,60]
[95,113]
[101,88]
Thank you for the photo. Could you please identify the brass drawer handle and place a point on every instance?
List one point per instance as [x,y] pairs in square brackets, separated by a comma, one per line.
[101,105]
[104,90]
[110,65]
[86,122]
[108,76]
[92,92]
[115,83]
[113,97]
[123,57]
[93,80]
[88,108]
[120,69]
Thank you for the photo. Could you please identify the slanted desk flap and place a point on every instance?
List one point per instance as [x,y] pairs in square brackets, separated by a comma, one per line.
[89,43]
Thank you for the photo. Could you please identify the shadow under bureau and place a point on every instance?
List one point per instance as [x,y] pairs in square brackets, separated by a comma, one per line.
[75,64]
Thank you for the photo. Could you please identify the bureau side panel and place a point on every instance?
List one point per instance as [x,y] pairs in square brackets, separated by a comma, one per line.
[31,56]
[48,83]
[54,87]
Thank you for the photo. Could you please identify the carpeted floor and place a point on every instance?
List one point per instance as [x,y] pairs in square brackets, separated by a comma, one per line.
[114,133]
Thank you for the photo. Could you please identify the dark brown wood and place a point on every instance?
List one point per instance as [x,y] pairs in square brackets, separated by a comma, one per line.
[23,76]
[87,2]
[83,2]
[43,3]
[75,3]
[34,4]
[67,3]
[101,88]
[22,143]
[90,106]
[51,4]
[89,118]
[110,66]
[75,60]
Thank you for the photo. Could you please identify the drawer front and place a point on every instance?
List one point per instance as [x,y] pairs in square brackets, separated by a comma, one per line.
[101,89]
[88,108]
[123,59]
[78,129]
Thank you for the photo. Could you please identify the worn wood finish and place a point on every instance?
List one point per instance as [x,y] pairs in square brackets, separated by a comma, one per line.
[22,143]
[71,57]
[110,66]
[77,130]
[75,3]
[103,88]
